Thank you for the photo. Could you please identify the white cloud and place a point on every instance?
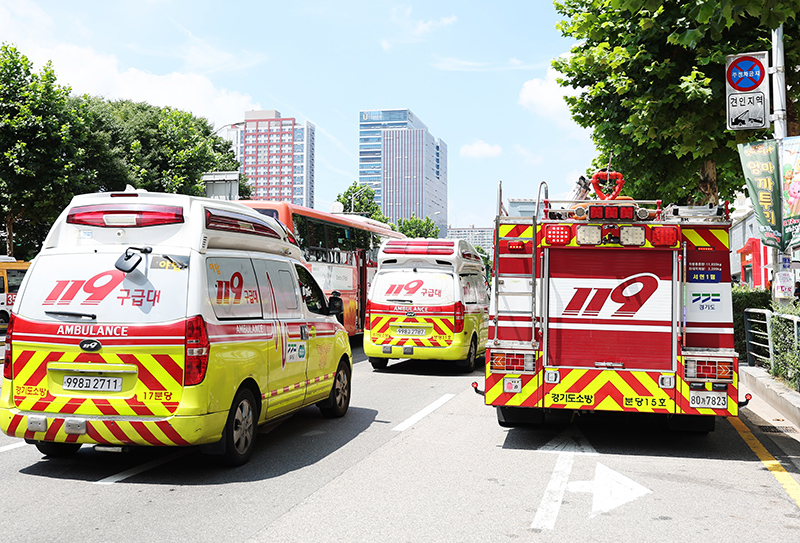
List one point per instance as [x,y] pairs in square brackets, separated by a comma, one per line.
[480,149]
[452,64]
[410,30]
[545,97]
[528,156]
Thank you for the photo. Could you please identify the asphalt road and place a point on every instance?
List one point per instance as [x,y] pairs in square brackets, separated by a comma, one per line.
[419,458]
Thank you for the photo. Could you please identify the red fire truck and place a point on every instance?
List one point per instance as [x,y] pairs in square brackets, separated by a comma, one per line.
[612,304]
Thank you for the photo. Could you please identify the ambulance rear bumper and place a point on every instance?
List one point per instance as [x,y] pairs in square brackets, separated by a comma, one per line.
[458,350]
[115,430]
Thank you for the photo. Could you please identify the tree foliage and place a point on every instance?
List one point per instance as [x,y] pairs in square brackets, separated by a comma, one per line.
[418,228]
[652,87]
[53,146]
[361,199]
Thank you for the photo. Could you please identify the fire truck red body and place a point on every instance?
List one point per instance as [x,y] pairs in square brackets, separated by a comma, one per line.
[612,305]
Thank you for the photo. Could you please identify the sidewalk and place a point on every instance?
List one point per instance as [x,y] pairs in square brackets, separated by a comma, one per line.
[777,395]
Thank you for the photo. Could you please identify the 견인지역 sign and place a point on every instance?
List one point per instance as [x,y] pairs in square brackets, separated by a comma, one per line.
[747,91]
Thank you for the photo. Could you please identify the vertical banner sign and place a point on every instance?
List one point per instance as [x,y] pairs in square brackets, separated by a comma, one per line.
[760,165]
[791,192]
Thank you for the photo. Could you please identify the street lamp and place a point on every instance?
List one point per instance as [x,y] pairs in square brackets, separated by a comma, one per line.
[353,196]
[229,125]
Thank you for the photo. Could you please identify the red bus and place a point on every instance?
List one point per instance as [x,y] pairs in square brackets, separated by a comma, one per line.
[341,250]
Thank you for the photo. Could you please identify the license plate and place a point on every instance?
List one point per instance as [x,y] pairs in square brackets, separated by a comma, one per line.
[708,399]
[411,331]
[82,382]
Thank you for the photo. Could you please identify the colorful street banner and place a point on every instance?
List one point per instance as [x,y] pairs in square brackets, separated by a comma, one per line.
[761,172]
[791,192]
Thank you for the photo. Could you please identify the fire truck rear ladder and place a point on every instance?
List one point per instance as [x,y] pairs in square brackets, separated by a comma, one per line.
[499,279]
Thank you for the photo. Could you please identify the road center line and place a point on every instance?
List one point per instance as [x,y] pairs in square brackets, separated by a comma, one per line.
[12,446]
[783,477]
[144,467]
[406,424]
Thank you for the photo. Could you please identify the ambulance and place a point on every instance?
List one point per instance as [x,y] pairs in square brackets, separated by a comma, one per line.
[428,301]
[168,320]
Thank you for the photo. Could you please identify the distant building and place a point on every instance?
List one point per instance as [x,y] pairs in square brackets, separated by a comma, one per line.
[404,164]
[478,237]
[277,156]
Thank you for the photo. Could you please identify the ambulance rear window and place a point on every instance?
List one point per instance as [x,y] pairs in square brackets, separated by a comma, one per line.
[417,288]
[125,215]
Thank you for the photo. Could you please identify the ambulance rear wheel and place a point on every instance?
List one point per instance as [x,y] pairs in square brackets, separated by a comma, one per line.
[339,399]
[378,363]
[57,450]
[240,431]
[468,365]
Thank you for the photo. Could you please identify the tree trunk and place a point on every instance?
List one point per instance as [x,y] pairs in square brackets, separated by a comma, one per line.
[10,234]
[792,123]
[708,181]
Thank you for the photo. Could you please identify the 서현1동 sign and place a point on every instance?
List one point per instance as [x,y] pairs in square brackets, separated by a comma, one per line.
[747,91]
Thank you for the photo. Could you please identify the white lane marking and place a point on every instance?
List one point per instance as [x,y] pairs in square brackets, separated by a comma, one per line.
[547,513]
[13,446]
[610,489]
[406,424]
[144,467]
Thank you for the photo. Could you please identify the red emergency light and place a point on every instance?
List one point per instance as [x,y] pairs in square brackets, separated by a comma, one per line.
[516,245]
[125,215]
[558,234]
[419,247]
[664,236]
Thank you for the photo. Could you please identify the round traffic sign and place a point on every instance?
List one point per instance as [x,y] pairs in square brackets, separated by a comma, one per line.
[746,73]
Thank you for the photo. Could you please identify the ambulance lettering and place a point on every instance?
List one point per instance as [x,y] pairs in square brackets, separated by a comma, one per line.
[93,330]
[631,294]
[234,287]
[98,287]
[410,288]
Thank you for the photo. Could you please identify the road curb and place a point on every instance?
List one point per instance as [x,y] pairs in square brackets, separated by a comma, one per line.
[780,397]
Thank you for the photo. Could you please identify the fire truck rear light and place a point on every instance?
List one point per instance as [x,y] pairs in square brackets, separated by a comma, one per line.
[558,234]
[642,213]
[697,386]
[512,362]
[664,236]
[626,213]
[516,245]
[580,212]
[589,235]
[596,212]
[125,215]
[719,386]
[631,235]
[612,212]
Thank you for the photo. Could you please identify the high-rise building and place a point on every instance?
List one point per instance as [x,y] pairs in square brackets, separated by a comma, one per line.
[277,155]
[404,164]
[478,237]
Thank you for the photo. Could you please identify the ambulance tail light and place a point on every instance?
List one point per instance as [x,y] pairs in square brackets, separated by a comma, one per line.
[664,236]
[197,345]
[125,215]
[7,373]
[367,316]
[458,317]
[558,234]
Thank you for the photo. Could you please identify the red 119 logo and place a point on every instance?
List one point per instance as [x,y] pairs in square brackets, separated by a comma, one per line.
[631,302]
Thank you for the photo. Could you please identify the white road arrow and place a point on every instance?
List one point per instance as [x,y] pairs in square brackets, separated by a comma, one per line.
[609,488]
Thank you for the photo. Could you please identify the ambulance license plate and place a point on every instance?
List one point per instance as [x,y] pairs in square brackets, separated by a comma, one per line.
[82,382]
[708,399]
[411,331]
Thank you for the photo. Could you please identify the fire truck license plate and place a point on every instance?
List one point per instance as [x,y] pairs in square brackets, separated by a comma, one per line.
[708,399]
[411,331]
[80,382]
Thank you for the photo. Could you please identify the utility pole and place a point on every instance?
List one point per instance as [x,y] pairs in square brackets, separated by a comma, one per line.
[779,133]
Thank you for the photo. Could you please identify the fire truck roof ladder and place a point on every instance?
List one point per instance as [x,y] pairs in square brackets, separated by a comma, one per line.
[708,212]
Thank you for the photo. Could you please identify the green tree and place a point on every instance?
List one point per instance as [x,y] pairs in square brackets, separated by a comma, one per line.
[361,199]
[418,228]
[43,151]
[652,88]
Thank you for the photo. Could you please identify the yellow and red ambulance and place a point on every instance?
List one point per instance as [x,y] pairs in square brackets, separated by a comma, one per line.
[162,319]
[428,301]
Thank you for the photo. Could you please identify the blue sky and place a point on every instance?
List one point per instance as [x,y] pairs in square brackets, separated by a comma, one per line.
[477,74]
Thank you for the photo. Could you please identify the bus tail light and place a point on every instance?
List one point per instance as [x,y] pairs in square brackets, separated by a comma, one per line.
[7,373]
[197,346]
[458,317]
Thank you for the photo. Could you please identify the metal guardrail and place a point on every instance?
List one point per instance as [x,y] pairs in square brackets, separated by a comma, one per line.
[758,336]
